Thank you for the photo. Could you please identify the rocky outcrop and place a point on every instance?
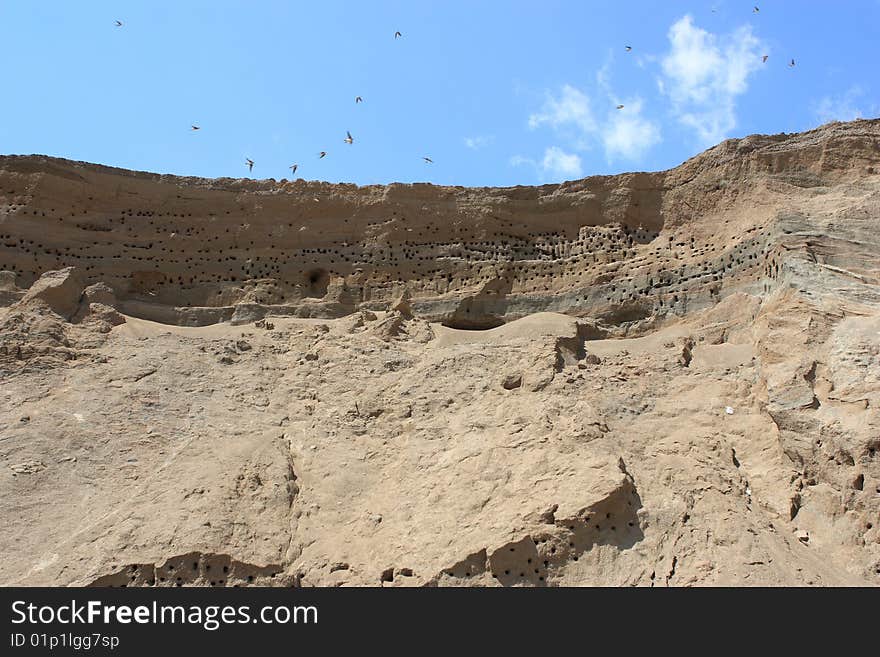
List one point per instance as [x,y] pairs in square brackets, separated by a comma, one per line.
[57,291]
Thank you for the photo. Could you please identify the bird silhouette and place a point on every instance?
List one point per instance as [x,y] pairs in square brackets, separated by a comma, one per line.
[293,168]
[194,128]
[764,59]
[629,48]
[250,164]
[348,139]
[118,23]
[620,107]
[756,10]
[791,64]
[428,160]
[322,154]
[397,34]
[358,99]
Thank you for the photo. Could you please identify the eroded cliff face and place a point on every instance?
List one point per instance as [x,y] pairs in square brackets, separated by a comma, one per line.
[656,378]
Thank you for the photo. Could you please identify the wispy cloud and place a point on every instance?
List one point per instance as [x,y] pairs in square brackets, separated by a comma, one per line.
[570,108]
[624,133]
[556,164]
[704,73]
[701,75]
[840,108]
[519,160]
[476,143]
[628,134]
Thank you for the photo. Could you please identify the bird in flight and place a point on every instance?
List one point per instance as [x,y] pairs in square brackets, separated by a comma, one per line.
[293,168]
[764,59]
[322,154]
[397,34]
[791,64]
[194,127]
[358,99]
[348,139]
[620,107]
[250,164]
[756,10]
[629,48]
[118,23]
[428,160]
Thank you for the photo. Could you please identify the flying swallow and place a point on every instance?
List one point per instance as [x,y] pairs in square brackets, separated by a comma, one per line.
[118,23]
[348,139]
[764,59]
[293,168]
[428,160]
[358,99]
[322,154]
[250,164]
[397,34]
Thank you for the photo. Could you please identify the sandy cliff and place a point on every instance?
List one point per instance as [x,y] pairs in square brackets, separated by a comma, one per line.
[663,378]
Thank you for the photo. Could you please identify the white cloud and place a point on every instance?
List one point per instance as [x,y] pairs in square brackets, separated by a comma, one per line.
[519,160]
[703,74]
[558,163]
[623,133]
[476,143]
[627,134]
[839,108]
[571,108]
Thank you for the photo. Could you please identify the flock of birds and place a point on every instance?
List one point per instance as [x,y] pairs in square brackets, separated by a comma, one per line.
[249,163]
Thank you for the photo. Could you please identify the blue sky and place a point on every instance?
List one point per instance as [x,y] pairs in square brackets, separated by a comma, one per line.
[496,93]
